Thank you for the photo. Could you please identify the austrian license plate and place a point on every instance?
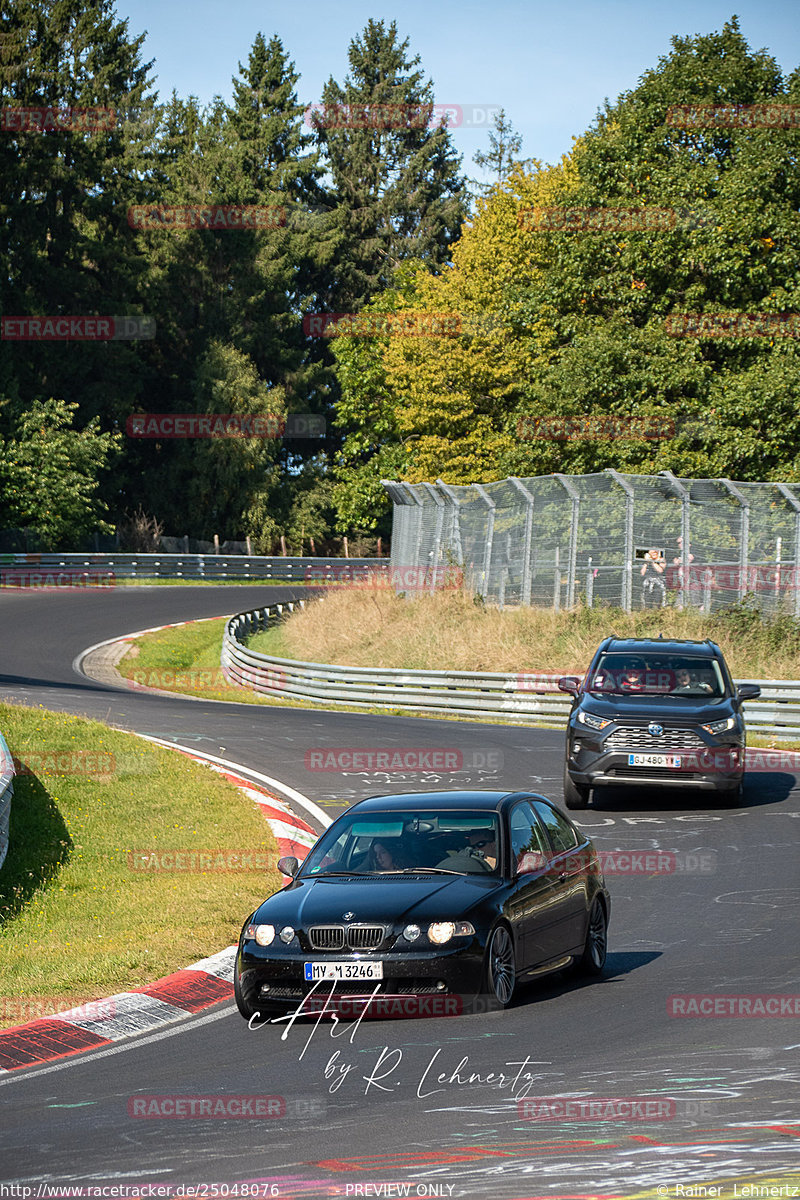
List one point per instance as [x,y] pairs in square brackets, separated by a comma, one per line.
[654,760]
[341,971]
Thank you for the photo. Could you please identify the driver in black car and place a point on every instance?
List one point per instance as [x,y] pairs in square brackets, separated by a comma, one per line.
[480,855]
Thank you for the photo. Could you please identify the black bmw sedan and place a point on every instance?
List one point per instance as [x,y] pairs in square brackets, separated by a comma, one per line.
[447,898]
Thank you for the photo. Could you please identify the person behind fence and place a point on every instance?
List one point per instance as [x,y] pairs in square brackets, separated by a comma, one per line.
[692,586]
[653,590]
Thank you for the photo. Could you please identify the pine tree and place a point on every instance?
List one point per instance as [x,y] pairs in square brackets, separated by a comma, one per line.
[395,175]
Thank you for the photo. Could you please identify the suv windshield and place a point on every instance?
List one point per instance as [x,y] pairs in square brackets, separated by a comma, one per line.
[653,674]
[382,843]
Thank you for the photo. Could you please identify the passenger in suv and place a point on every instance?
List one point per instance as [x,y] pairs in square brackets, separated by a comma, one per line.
[652,713]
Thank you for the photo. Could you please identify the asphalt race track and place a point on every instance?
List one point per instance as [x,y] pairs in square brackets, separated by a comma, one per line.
[404,1107]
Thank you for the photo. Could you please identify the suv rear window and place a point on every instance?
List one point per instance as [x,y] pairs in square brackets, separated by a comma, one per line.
[654,674]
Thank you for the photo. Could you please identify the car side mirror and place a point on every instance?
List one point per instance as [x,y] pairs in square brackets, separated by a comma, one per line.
[288,866]
[532,860]
[748,691]
[569,683]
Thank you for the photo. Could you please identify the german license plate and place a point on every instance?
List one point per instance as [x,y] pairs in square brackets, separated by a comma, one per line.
[340,971]
[654,760]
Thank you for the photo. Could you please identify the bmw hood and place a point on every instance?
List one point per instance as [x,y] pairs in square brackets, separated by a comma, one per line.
[379,898]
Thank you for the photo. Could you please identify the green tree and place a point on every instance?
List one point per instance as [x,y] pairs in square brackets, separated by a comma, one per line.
[396,185]
[50,475]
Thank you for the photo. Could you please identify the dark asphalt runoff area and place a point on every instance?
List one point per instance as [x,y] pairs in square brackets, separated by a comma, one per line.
[439,1106]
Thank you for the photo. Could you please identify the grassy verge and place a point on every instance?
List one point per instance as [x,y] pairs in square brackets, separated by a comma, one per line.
[447,630]
[79,918]
[186,660]
[366,627]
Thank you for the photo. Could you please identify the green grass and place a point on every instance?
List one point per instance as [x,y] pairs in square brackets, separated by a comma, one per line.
[374,627]
[76,921]
[186,660]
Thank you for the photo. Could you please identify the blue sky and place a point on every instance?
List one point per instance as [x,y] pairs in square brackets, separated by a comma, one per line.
[549,65]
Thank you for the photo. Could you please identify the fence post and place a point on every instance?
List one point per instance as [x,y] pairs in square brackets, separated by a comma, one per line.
[589,584]
[744,534]
[685,568]
[557,582]
[528,497]
[787,494]
[458,549]
[437,535]
[487,557]
[627,570]
[572,563]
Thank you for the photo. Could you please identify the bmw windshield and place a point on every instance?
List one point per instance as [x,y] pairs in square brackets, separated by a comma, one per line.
[450,841]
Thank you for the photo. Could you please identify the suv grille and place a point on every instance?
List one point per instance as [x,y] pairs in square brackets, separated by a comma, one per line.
[636,737]
[355,937]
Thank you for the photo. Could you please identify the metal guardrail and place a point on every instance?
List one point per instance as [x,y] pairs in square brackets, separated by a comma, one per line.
[6,795]
[20,570]
[524,696]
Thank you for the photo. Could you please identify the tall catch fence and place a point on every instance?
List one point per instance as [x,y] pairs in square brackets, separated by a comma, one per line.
[631,540]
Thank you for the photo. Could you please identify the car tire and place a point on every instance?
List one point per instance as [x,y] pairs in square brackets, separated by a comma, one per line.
[731,797]
[244,1006]
[500,969]
[576,795]
[595,948]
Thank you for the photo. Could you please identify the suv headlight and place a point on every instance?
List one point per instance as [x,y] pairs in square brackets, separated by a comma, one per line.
[592,721]
[720,726]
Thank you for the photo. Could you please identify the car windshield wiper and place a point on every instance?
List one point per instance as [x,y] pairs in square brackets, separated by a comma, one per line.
[416,871]
[335,874]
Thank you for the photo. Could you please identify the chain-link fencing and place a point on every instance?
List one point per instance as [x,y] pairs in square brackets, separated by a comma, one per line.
[636,541]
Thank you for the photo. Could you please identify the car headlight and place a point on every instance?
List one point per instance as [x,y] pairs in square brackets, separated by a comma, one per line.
[286,934]
[440,932]
[411,932]
[720,726]
[592,721]
[263,934]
